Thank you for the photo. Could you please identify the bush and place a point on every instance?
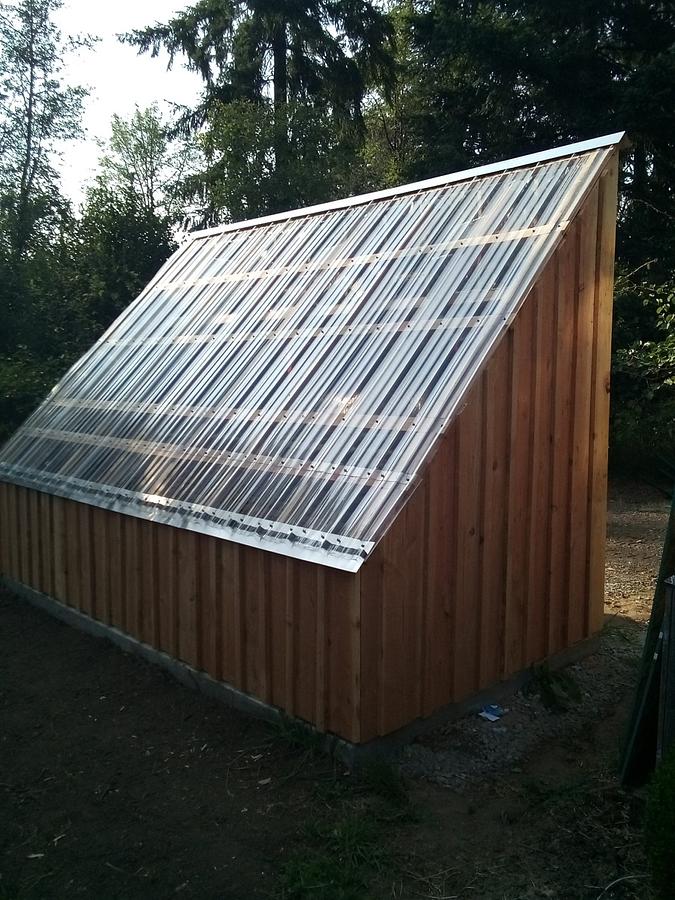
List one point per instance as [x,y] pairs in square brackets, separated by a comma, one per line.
[660,827]
[643,375]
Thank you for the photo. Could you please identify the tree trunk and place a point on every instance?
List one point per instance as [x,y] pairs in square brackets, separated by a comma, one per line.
[23,201]
[280,84]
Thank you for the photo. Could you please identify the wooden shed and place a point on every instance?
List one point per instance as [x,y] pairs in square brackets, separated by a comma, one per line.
[349,460]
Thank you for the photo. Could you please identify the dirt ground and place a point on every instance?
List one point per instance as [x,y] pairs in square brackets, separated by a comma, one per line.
[117,782]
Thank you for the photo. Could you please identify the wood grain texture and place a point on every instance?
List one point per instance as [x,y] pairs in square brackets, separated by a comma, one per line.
[118,611]
[188,609]
[542,425]
[497,429]
[59,548]
[73,555]
[469,475]
[132,576]
[210,610]
[561,462]
[149,587]
[581,418]
[23,524]
[305,587]
[518,522]
[45,517]
[167,589]
[86,564]
[101,559]
[35,539]
[6,531]
[602,337]
[438,654]
[233,634]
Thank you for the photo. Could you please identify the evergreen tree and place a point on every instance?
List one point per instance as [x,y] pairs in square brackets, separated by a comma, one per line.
[295,61]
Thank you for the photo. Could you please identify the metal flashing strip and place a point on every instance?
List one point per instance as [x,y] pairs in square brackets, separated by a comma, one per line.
[334,550]
[529,159]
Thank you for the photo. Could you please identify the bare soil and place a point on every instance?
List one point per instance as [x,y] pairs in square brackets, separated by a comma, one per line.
[117,782]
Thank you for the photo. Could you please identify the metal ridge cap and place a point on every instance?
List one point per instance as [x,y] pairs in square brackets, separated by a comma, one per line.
[607,140]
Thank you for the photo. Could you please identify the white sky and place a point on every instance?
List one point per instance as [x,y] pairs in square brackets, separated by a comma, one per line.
[118,78]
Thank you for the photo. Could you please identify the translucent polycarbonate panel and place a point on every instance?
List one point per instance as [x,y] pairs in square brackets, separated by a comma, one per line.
[282,384]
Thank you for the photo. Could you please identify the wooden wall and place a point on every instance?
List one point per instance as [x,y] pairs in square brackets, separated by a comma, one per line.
[283,630]
[495,562]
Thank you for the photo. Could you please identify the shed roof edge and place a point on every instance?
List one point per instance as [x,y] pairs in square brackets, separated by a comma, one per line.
[607,140]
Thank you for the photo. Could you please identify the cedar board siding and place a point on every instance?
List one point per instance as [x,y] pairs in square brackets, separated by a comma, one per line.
[495,561]
[283,630]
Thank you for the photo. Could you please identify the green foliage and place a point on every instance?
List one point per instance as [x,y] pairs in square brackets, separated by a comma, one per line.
[660,827]
[643,374]
[37,113]
[283,92]
[119,244]
[242,179]
[340,861]
[141,163]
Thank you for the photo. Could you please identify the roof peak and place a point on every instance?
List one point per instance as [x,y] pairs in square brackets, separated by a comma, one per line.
[516,162]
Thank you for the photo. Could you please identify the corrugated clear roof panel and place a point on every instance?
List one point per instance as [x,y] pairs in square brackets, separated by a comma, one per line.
[282,385]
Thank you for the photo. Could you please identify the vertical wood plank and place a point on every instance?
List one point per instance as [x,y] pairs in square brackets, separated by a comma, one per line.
[597,493]
[402,598]
[278,629]
[343,643]
[581,418]
[132,577]
[519,488]
[305,640]
[371,600]
[471,467]
[149,583]
[166,589]
[101,565]
[497,426]
[561,457]
[254,597]
[233,627]
[35,540]
[441,504]
[290,665]
[86,572]
[116,556]
[47,584]
[5,532]
[73,554]
[59,545]
[25,555]
[210,654]
[538,583]
[188,611]
[322,668]
[12,533]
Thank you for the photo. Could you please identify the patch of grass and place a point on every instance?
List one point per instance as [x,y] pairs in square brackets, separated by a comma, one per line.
[660,827]
[384,780]
[337,862]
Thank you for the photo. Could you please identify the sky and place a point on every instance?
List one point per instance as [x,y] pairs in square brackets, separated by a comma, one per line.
[119,79]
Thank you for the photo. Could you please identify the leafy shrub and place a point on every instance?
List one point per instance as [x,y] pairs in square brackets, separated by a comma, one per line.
[643,374]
